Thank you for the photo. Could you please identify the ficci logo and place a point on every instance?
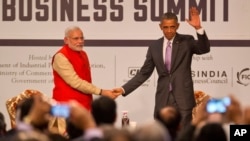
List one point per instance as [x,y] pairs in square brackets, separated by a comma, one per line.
[132,71]
[244,77]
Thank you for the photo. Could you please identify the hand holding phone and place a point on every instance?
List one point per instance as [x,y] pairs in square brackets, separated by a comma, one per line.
[60,110]
[218,105]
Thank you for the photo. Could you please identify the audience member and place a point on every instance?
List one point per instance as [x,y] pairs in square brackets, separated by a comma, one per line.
[57,137]
[23,109]
[73,132]
[234,112]
[205,121]
[246,115]
[170,117]
[38,115]
[83,119]
[211,132]
[2,125]
[200,97]
[151,131]
[104,110]
[11,104]
[31,135]
[112,133]
[34,114]
[32,119]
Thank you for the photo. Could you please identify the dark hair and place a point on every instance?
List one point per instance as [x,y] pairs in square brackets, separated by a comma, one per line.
[57,137]
[2,125]
[104,110]
[73,131]
[168,16]
[170,120]
[212,132]
[25,106]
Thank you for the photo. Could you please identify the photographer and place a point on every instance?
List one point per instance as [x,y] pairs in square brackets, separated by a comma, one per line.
[219,117]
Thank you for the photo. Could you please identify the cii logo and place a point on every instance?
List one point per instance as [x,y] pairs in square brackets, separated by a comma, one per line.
[132,71]
[243,77]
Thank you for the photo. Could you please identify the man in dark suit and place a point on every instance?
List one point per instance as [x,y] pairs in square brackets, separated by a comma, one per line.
[175,84]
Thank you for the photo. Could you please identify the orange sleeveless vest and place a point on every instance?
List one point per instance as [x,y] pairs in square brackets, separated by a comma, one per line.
[62,91]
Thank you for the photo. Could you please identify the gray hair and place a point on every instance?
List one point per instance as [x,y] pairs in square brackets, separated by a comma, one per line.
[151,131]
[69,29]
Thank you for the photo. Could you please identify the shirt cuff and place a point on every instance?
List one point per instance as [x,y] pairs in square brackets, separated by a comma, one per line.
[123,91]
[200,31]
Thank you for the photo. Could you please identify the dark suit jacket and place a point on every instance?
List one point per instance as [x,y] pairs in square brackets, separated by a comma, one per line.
[184,46]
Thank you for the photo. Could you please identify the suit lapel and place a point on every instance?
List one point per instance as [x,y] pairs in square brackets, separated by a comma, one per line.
[160,50]
[175,50]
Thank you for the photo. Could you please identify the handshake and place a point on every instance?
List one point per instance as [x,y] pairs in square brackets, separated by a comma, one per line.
[114,93]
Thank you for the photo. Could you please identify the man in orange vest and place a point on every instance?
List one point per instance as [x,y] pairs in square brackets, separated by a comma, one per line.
[71,71]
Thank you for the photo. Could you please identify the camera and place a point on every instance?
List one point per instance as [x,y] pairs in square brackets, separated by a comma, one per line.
[60,110]
[218,105]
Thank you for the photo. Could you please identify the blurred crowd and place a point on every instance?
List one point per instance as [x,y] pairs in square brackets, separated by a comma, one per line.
[35,120]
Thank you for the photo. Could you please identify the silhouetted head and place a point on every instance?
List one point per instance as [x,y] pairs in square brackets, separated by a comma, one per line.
[170,117]
[211,132]
[104,110]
